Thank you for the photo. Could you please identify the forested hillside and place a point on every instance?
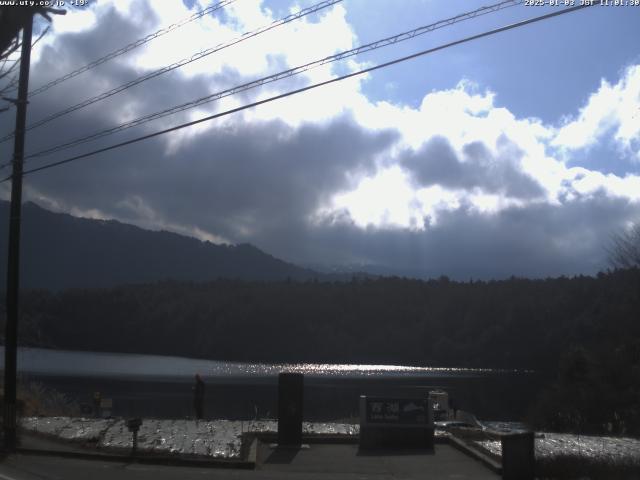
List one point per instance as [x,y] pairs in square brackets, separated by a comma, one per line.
[62,251]
[582,333]
[514,323]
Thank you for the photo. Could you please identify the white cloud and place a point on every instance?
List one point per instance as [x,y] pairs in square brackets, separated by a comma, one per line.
[587,183]
[75,21]
[462,116]
[615,109]
[154,220]
[295,42]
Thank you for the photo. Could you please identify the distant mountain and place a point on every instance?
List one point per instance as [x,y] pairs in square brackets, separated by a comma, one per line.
[61,251]
[370,270]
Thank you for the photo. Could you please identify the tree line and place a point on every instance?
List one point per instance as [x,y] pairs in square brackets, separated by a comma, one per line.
[583,332]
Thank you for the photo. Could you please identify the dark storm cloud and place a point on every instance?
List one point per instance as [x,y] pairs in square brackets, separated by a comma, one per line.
[235,181]
[112,31]
[437,163]
[538,241]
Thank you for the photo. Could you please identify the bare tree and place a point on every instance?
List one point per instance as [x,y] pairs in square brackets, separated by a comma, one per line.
[624,250]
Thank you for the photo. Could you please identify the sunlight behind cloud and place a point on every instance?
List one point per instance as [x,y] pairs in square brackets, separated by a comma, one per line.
[385,200]
[75,20]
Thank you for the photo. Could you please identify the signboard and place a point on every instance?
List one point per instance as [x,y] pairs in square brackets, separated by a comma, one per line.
[106,405]
[397,411]
[134,424]
[396,422]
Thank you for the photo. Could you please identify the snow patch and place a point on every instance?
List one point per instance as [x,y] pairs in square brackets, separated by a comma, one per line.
[213,439]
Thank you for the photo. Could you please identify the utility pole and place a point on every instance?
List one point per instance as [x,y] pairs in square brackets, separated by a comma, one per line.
[13,264]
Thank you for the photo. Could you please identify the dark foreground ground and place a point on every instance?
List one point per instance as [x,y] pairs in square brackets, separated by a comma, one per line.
[319,461]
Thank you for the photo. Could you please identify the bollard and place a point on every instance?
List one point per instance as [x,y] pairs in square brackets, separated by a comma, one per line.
[518,458]
[290,411]
[97,398]
[134,425]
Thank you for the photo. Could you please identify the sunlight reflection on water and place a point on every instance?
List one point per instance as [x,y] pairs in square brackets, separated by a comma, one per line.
[61,362]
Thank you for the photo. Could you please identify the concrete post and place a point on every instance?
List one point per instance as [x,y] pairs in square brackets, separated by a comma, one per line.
[518,458]
[290,408]
[13,262]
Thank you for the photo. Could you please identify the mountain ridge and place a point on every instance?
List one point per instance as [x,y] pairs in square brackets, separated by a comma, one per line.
[90,253]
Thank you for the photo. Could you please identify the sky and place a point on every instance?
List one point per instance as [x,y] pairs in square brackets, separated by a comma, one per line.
[514,154]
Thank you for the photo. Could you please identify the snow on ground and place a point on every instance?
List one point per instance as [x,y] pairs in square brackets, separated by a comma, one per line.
[222,438]
[557,444]
[83,430]
[215,438]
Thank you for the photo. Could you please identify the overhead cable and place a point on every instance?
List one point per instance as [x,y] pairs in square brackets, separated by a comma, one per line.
[278,76]
[307,88]
[131,46]
[181,63]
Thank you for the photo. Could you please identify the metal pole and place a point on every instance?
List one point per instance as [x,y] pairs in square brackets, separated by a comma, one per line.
[13,264]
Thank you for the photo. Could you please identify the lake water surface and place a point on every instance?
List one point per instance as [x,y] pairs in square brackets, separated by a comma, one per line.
[160,386]
[125,365]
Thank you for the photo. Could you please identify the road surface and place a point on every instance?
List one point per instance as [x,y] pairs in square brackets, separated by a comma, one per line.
[319,462]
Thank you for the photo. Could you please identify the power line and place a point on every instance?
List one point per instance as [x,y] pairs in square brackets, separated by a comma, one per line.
[15,62]
[131,46]
[185,61]
[307,88]
[279,76]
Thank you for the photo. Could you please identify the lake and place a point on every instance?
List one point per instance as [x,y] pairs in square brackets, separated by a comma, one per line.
[160,386]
